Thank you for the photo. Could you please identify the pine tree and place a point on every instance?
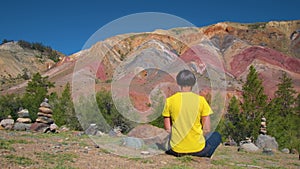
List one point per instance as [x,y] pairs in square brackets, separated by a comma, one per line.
[298,105]
[9,105]
[254,102]
[297,122]
[230,124]
[36,92]
[283,119]
[66,99]
[110,113]
[64,112]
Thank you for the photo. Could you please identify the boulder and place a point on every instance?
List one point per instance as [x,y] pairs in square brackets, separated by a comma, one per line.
[21,126]
[133,142]
[150,134]
[266,141]
[91,130]
[248,147]
[7,123]
[38,127]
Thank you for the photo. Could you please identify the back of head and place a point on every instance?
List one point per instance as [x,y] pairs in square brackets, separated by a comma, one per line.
[185,78]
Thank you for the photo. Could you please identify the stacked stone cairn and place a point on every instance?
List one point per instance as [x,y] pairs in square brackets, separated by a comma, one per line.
[265,142]
[263,126]
[23,121]
[44,122]
[45,113]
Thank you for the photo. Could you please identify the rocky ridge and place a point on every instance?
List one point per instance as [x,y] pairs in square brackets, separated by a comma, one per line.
[271,47]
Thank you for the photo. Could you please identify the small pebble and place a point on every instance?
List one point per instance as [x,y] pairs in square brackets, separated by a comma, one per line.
[145,152]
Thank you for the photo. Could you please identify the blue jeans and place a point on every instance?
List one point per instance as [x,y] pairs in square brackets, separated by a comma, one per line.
[212,141]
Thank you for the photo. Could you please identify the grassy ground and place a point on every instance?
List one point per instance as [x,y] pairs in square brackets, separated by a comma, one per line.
[73,150]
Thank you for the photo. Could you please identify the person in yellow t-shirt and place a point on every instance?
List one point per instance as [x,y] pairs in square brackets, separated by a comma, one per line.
[186,118]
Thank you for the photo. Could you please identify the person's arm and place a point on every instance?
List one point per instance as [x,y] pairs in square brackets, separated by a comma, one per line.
[167,124]
[205,124]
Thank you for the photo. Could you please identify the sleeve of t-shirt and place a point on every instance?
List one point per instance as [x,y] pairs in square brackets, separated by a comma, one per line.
[206,110]
[166,112]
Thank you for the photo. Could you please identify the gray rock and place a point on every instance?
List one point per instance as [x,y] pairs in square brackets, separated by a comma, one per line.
[24,113]
[44,114]
[7,123]
[91,130]
[230,143]
[21,126]
[53,127]
[43,119]
[45,104]
[268,151]
[133,142]
[294,151]
[150,134]
[248,147]
[39,127]
[115,132]
[265,141]
[285,151]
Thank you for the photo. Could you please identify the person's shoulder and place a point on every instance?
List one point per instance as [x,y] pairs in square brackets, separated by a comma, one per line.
[174,95]
[202,98]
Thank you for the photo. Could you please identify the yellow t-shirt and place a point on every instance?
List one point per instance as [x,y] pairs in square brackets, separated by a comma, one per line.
[186,110]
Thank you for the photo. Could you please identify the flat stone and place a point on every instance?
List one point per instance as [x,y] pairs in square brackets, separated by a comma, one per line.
[45,120]
[45,110]
[44,114]
[23,113]
[24,120]
[45,104]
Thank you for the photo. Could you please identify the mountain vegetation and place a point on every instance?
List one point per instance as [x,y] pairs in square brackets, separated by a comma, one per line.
[45,50]
[36,91]
[283,119]
[241,120]
[283,116]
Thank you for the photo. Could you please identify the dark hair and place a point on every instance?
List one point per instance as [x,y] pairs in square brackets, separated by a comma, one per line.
[185,78]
